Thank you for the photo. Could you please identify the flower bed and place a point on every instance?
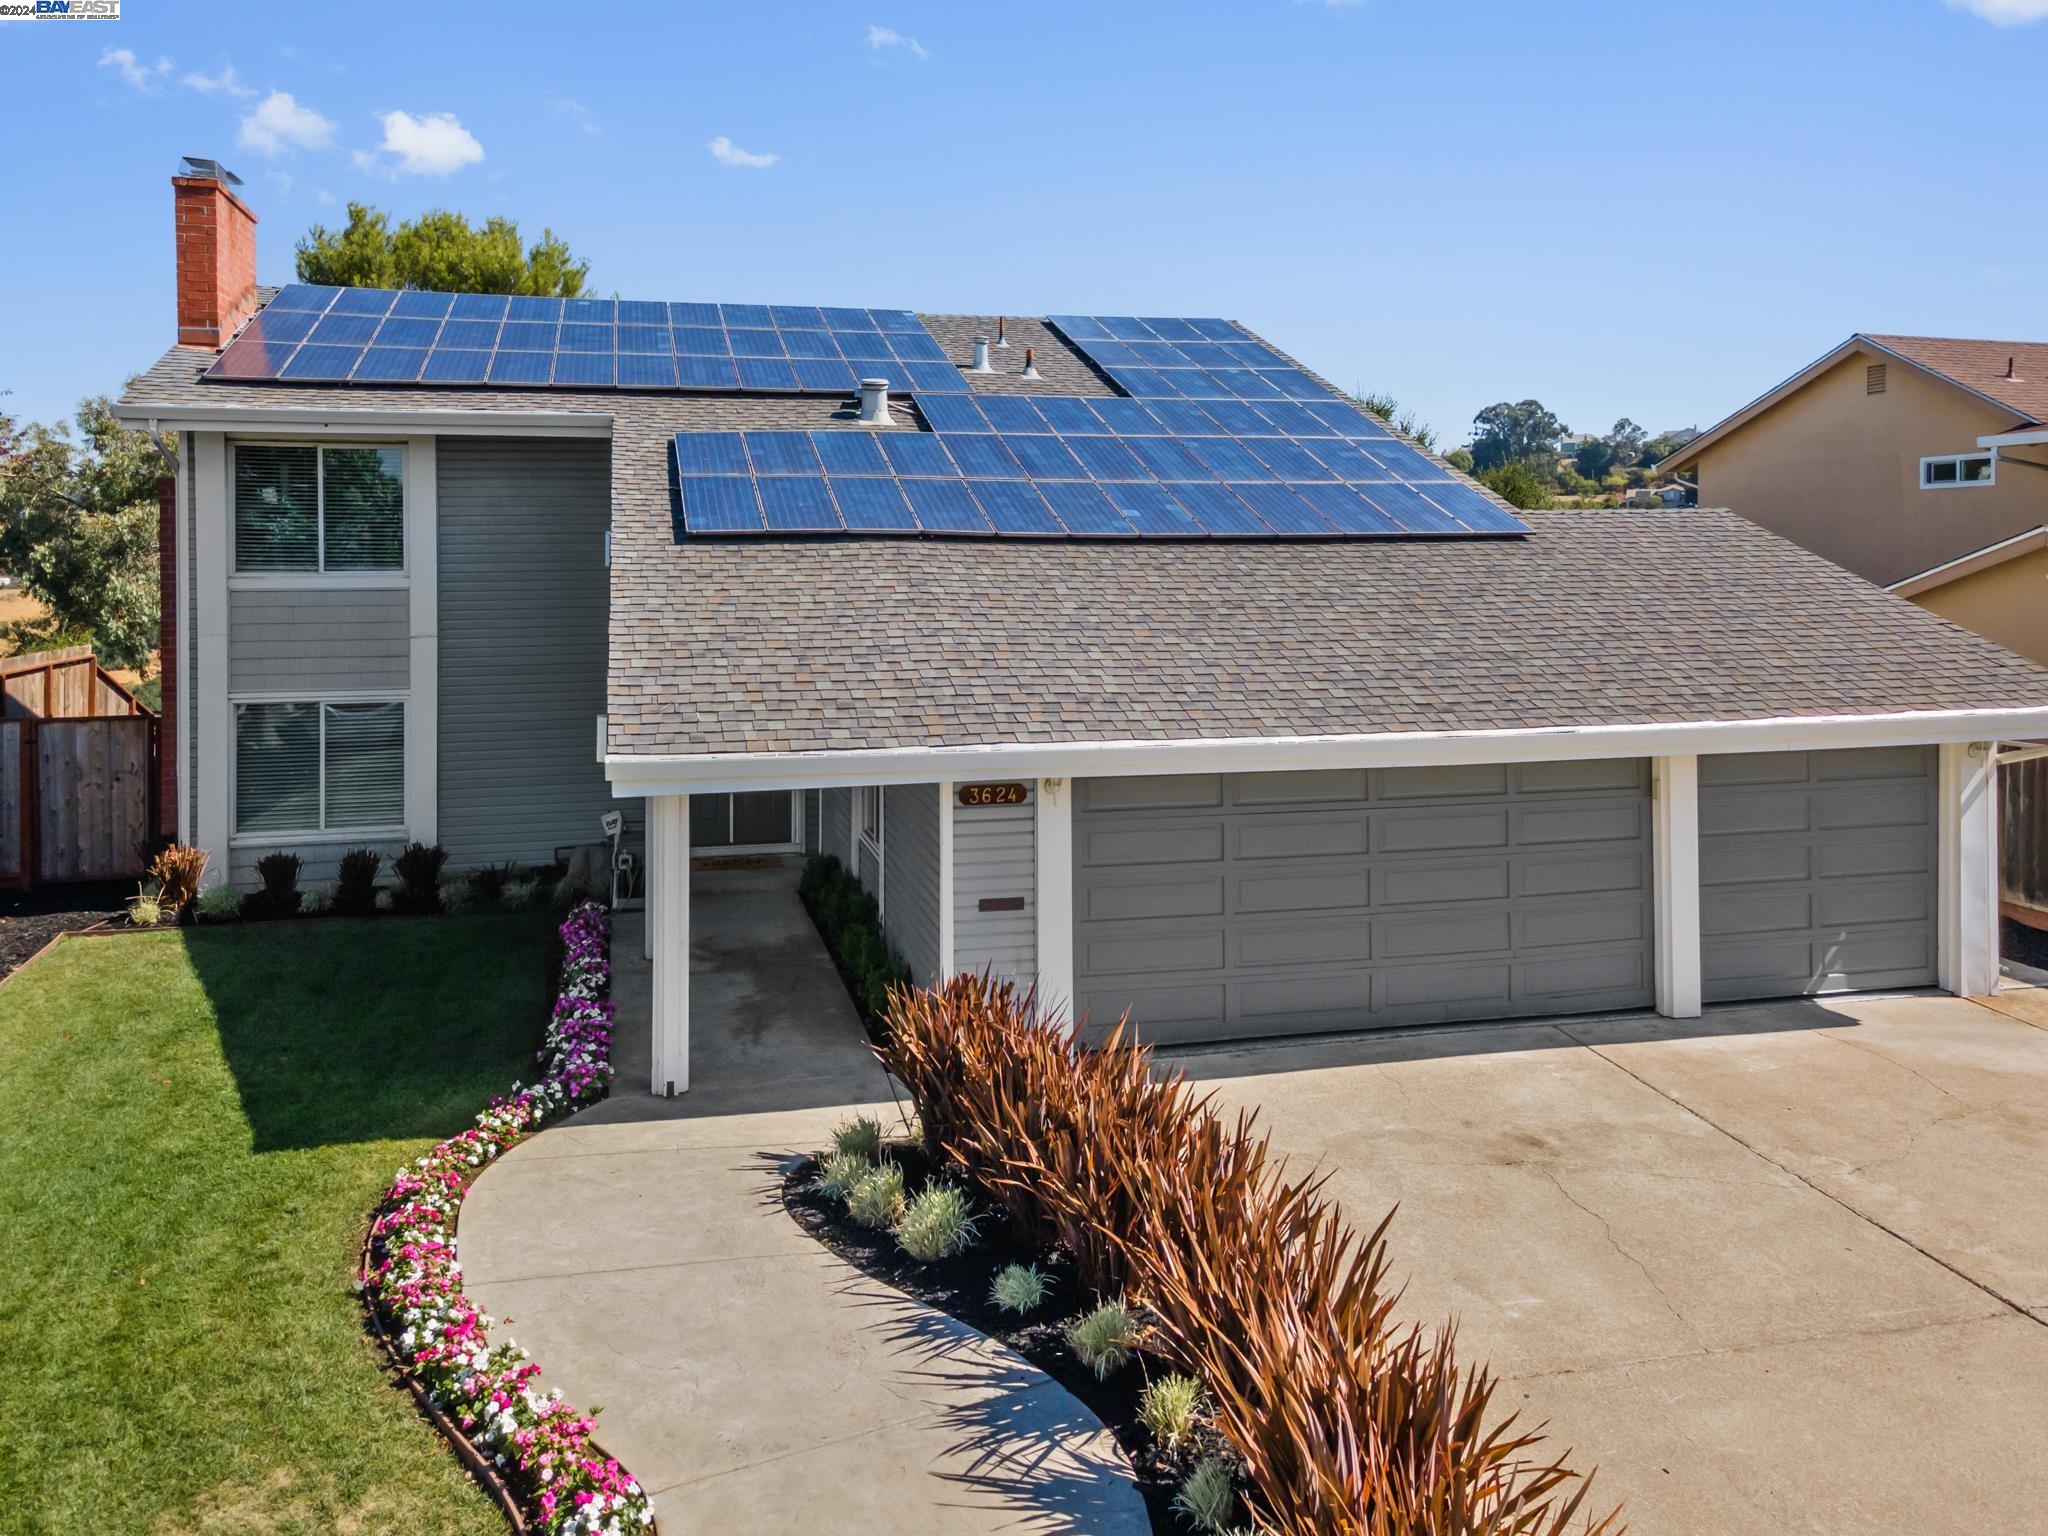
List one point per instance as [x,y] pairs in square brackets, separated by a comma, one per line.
[538,1445]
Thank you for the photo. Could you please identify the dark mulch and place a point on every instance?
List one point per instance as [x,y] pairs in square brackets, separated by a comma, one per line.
[30,919]
[959,1286]
[2017,941]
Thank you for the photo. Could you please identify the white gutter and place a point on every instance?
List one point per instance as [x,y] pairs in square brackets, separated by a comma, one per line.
[636,774]
[315,421]
[2018,439]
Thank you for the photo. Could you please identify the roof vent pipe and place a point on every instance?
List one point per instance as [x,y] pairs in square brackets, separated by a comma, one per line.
[2008,367]
[1002,333]
[874,403]
[981,356]
[1030,364]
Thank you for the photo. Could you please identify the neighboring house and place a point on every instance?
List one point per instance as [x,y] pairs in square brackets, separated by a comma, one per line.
[1914,461]
[1165,680]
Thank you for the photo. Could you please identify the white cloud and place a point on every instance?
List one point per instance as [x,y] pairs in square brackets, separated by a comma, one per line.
[576,112]
[277,125]
[888,37]
[2004,13]
[325,198]
[433,144]
[282,180]
[226,83]
[725,152]
[140,76]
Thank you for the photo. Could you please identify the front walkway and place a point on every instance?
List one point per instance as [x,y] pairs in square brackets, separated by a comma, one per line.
[751,1380]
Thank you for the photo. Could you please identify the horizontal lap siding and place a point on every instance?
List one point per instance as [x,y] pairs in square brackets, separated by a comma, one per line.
[1227,906]
[318,863]
[523,604]
[910,855]
[1817,871]
[311,641]
[836,823]
[995,860]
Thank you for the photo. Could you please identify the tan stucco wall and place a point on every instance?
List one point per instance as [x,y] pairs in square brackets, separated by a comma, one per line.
[1838,471]
[2007,603]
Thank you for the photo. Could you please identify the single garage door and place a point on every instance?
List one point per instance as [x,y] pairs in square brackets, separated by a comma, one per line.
[1237,905]
[1817,871]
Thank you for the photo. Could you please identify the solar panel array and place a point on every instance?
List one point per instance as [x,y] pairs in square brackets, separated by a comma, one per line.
[1069,467]
[320,334]
[1196,359]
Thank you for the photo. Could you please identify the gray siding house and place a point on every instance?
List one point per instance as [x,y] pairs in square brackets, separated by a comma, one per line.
[1239,714]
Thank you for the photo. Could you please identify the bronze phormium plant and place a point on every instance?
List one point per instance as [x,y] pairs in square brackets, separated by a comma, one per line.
[1349,1422]
[176,872]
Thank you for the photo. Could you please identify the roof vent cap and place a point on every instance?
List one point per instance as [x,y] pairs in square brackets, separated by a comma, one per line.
[207,170]
[981,356]
[1031,364]
[874,403]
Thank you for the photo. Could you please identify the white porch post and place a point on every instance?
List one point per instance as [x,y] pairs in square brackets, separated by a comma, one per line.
[1675,835]
[1968,850]
[1056,896]
[212,552]
[945,880]
[668,920]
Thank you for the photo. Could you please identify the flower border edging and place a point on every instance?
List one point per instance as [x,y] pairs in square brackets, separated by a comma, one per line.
[533,1451]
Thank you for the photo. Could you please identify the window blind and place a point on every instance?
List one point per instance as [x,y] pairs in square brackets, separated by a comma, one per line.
[365,765]
[276,508]
[363,497]
[277,767]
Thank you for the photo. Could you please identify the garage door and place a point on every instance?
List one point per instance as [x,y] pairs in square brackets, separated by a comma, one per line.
[1229,906]
[1817,872]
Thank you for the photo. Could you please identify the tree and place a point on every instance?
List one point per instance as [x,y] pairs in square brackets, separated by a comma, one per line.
[1516,482]
[1460,459]
[441,251]
[1664,444]
[1388,409]
[1627,439]
[1507,433]
[1595,457]
[78,525]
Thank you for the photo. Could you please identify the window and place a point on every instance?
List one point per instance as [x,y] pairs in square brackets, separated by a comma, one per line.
[867,826]
[319,767]
[1958,469]
[302,508]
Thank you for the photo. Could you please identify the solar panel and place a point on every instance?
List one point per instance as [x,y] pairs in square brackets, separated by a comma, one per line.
[1168,359]
[961,478]
[335,335]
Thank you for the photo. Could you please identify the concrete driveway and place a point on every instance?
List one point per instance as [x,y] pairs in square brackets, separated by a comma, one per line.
[1781,1269]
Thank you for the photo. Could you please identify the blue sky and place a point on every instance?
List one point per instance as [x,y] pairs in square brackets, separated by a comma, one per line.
[1655,208]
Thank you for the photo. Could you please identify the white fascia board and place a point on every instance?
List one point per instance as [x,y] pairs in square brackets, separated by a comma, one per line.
[636,774]
[313,421]
[2018,439]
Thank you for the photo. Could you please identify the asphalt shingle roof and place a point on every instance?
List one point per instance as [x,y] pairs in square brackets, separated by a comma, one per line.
[1596,618]
[1981,365]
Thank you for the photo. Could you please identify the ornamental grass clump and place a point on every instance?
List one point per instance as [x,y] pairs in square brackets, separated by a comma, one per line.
[1207,1496]
[1251,1281]
[1103,1338]
[144,909]
[861,1136]
[1018,1288]
[1169,1409]
[839,1173]
[937,1223]
[877,1199]
[176,872]
[355,882]
[218,904]
[280,896]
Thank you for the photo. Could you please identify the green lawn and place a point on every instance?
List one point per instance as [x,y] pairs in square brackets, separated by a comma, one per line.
[193,1127]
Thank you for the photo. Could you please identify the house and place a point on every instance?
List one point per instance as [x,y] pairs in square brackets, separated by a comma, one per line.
[1165,679]
[1918,462]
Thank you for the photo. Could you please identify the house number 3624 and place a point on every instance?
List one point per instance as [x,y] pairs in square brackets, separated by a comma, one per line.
[994,794]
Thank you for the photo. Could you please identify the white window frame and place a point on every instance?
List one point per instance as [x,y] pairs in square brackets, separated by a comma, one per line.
[1958,459]
[274,837]
[868,801]
[396,576]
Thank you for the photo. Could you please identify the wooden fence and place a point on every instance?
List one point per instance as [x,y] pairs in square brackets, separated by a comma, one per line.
[2023,840]
[66,684]
[75,798]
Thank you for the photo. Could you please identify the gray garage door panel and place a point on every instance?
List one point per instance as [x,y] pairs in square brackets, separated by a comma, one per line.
[1225,906]
[1817,872]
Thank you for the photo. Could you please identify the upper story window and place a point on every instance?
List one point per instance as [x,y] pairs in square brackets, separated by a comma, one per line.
[1958,469]
[304,508]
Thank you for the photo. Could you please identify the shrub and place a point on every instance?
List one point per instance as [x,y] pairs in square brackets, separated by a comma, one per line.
[176,872]
[1169,1407]
[419,878]
[458,896]
[219,904]
[1103,1338]
[521,895]
[877,1200]
[355,882]
[1207,1496]
[1018,1288]
[862,1136]
[489,883]
[938,1223]
[1345,1419]
[851,924]
[280,894]
[318,898]
[840,1172]
[144,908]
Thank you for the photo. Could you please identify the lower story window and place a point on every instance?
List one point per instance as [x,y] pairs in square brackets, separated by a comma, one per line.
[319,767]
[1958,469]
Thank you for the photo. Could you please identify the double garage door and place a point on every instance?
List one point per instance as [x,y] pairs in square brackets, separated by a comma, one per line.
[1230,906]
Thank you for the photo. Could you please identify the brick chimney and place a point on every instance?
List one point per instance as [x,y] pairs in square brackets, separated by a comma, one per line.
[216,235]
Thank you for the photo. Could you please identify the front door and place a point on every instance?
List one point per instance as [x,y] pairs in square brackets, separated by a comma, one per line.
[760,819]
